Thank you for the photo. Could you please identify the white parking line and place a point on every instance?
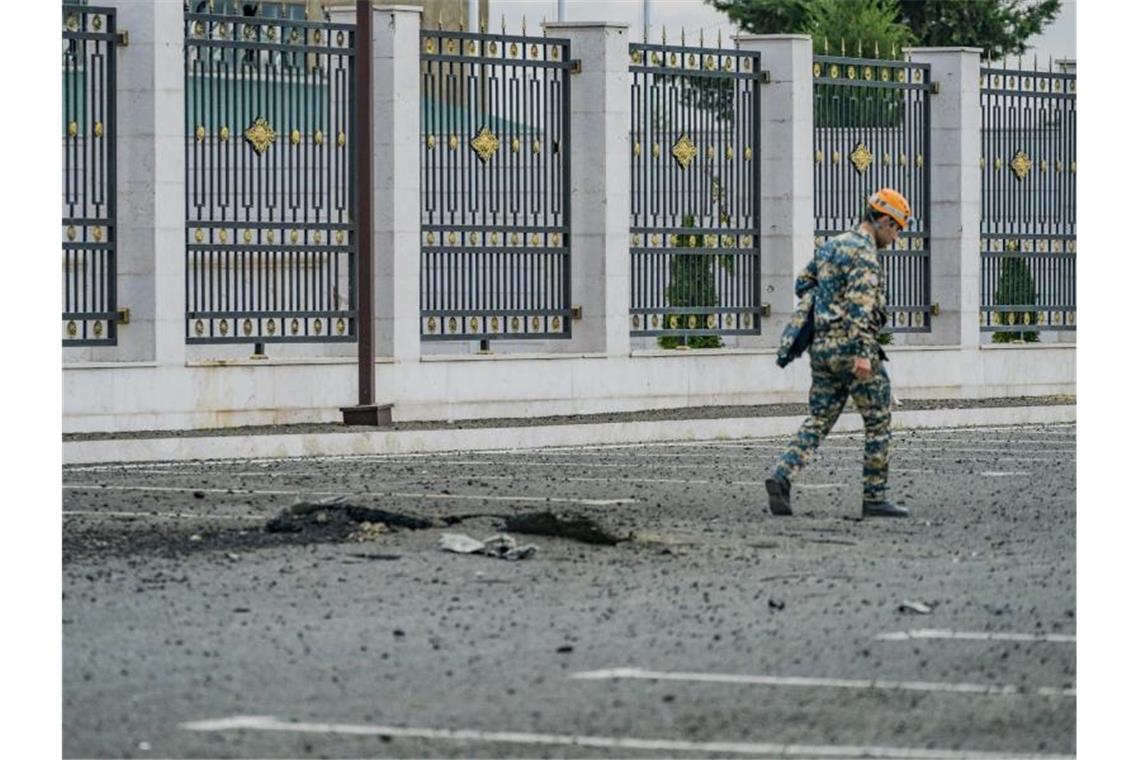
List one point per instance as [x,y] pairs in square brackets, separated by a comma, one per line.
[835,683]
[250,492]
[995,474]
[269,723]
[931,633]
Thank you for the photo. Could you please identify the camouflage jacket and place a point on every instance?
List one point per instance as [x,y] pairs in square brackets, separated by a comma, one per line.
[850,302]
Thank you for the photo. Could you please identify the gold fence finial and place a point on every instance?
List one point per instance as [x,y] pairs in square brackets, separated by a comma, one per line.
[682,35]
[859,48]
[544,26]
[894,52]
[701,37]
[825,44]
[524,25]
[842,46]
[439,20]
[719,39]
[483,25]
[876,48]
[461,24]
[504,23]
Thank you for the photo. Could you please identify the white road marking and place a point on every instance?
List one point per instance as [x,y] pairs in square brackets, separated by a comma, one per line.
[836,683]
[931,633]
[269,723]
[250,492]
[994,474]
[107,513]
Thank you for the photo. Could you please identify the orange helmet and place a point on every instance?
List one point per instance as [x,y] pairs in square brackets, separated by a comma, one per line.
[893,204]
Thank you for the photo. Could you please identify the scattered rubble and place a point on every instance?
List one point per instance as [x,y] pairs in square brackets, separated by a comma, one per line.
[575,527]
[338,517]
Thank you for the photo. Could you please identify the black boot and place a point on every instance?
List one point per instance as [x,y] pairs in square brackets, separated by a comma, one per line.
[883,508]
[779,495]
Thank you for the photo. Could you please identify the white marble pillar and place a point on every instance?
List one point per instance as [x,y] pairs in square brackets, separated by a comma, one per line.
[599,186]
[396,176]
[955,200]
[787,217]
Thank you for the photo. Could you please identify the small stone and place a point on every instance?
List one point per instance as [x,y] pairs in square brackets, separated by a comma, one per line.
[565,649]
[776,604]
[398,633]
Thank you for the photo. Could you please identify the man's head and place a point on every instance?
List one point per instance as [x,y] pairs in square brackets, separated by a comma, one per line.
[887,215]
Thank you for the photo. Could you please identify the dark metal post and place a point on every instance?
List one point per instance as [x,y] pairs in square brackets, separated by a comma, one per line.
[365,412]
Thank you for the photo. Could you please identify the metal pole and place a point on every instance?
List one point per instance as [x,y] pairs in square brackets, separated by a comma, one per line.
[365,413]
[472,15]
[646,18]
[561,10]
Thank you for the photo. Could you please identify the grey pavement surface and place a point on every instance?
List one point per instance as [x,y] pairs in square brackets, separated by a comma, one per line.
[752,635]
[678,413]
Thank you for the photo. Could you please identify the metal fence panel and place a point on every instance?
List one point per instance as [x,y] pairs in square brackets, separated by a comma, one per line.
[270,185]
[872,129]
[694,191]
[90,297]
[495,178]
[1028,229]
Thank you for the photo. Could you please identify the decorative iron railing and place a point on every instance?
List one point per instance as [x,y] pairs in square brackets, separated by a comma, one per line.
[270,185]
[1029,187]
[872,130]
[694,191]
[495,176]
[90,295]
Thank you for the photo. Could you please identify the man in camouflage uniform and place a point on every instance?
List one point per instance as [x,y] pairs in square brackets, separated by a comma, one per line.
[846,359]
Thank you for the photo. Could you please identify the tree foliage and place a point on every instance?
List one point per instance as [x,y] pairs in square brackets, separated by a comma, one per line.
[999,27]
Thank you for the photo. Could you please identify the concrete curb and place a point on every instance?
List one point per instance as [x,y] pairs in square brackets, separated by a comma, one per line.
[190,448]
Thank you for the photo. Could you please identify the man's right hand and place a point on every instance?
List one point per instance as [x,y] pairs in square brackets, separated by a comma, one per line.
[862,368]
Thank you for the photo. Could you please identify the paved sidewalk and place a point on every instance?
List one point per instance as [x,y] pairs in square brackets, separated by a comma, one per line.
[691,423]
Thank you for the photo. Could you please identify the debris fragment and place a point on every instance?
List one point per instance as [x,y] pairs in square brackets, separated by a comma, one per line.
[565,649]
[776,604]
[500,545]
[459,543]
[914,608]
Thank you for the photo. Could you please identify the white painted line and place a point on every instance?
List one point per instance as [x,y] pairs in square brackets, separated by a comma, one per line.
[269,723]
[931,633]
[108,513]
[369,494]
[1003,474]
[835,683]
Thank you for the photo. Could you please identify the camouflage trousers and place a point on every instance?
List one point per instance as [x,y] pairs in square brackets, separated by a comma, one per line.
[832,381]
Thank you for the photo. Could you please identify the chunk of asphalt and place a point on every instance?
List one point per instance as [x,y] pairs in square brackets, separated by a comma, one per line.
[317,513]
[575,527]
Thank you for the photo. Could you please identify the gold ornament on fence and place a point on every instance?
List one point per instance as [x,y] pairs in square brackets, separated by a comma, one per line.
[260,135]
[684,151]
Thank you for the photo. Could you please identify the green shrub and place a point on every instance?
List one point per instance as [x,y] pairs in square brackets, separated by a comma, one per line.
[692,282]
[1016,287]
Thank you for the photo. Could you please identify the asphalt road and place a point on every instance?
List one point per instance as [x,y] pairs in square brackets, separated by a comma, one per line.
[717,630]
